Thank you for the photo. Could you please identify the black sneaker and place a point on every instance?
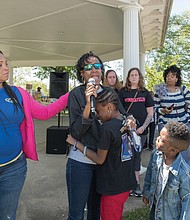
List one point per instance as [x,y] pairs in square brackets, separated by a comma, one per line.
[145,147]
[151,147]
[137,192]
[131,193]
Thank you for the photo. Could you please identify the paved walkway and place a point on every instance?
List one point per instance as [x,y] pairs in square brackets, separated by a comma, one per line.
[44,196]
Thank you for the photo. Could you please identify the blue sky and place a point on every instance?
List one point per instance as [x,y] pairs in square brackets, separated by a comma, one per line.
[180,6]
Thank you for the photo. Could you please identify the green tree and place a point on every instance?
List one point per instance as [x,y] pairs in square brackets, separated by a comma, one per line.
[176,50]
[23,76]
[152,78]
[44,71]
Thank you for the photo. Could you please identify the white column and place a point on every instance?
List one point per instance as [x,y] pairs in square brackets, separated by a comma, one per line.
[130,37]
[142,63]
[10,74]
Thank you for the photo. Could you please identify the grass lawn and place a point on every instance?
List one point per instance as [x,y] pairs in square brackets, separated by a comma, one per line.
[137,214]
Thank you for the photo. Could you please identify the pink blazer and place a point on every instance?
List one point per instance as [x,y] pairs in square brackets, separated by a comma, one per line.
[33,109]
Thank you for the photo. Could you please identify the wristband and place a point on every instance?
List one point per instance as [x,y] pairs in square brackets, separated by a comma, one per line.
[75,146]
[84,151]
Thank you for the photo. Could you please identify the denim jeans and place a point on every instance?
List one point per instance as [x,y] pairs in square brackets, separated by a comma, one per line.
[81,186]
[12,178]
[152,213]
[160,126]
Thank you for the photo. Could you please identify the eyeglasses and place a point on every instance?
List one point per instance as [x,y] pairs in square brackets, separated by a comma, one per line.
[90,65]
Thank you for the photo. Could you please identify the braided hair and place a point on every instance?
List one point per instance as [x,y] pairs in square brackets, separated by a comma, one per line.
[108,95]
[84,59]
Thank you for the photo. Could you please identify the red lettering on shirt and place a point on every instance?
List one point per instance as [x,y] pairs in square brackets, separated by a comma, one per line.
[139,99]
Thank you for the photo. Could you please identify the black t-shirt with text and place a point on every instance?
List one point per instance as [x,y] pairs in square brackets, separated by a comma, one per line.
[138,109]
[114,176]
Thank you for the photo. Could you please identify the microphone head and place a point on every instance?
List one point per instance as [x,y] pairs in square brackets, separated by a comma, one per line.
[92,81]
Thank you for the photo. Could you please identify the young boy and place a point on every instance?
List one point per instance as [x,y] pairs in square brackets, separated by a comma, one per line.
[167,182]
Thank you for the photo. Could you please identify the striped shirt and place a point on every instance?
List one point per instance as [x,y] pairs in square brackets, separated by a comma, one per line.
[180,99]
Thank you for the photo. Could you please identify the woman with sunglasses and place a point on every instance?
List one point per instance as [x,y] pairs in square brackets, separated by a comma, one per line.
[84,127]
[111,157]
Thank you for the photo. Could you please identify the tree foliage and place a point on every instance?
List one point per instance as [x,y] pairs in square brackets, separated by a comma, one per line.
[44,71]
[176,50]
[23,76]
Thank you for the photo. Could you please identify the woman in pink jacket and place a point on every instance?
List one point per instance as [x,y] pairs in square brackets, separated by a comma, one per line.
[17,110]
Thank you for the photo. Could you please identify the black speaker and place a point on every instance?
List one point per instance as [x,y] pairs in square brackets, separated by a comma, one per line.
[59,84]
[56,139]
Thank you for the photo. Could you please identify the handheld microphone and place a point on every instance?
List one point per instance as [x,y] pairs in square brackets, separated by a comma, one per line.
[92,97]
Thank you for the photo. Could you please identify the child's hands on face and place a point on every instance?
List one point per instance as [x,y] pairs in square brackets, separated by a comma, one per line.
[70,139]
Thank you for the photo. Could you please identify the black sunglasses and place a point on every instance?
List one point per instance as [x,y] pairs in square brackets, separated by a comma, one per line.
[90,65]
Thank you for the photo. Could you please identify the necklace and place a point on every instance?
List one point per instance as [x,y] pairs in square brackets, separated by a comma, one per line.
[172,89]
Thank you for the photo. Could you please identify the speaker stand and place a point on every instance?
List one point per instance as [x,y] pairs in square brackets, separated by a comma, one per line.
[59,119]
